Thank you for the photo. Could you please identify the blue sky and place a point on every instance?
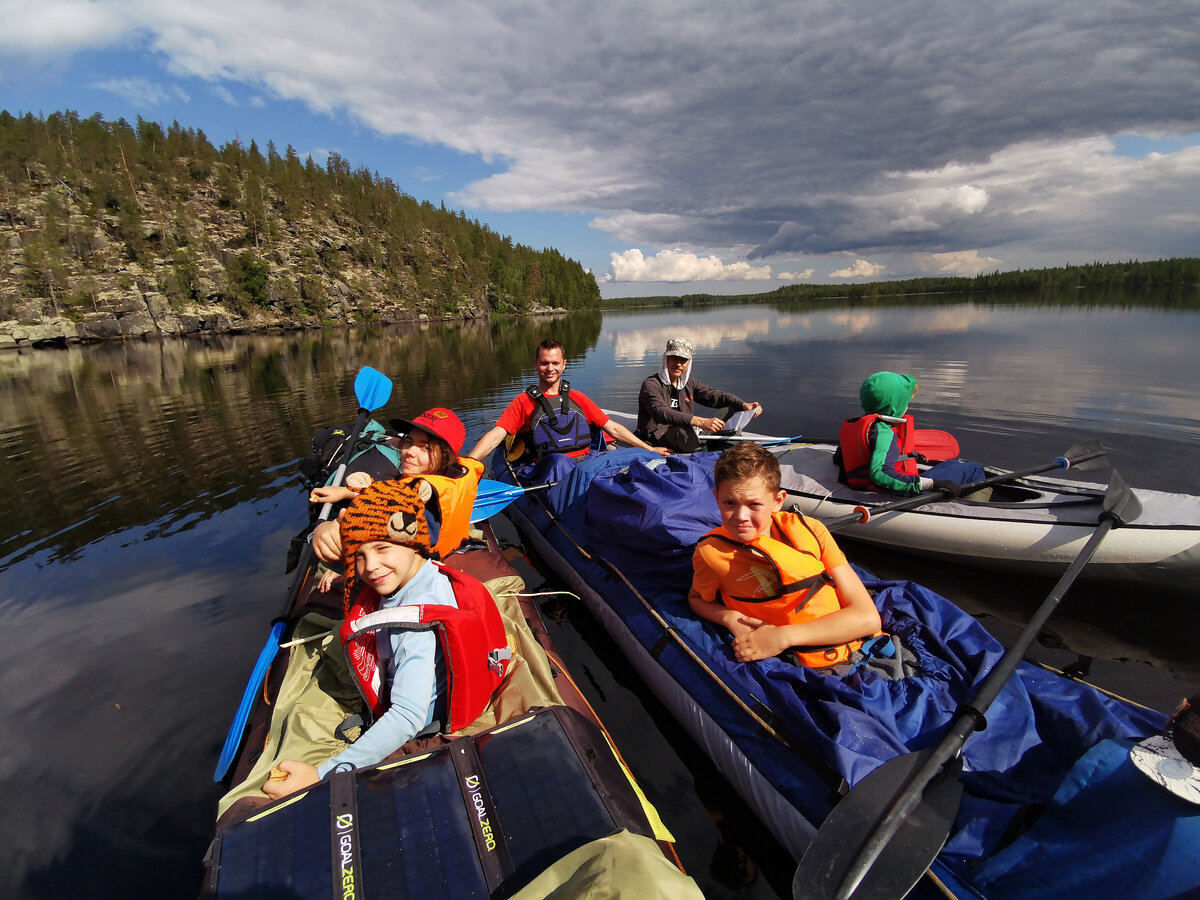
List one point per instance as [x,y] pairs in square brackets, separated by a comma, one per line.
[685,146]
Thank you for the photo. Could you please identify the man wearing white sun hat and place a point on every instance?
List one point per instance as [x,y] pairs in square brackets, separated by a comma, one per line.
[666,402]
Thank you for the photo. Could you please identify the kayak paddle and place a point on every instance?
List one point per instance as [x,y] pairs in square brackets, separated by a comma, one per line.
[493,496]
[1084,457]
[372,389]
[884,834]
[935,445]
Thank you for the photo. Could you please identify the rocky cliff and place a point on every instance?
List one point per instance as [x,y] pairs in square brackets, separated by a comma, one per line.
[111,231]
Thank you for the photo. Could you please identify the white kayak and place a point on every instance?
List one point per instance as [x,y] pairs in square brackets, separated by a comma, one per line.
[1037,524]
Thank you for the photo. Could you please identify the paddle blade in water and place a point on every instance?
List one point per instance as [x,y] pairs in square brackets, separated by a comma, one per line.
[827,861]
[1087,456]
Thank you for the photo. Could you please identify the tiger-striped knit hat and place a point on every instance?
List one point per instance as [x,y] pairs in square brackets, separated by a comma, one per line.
[391,510]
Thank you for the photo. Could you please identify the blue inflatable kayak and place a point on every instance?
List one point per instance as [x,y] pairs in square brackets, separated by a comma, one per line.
[1051,802]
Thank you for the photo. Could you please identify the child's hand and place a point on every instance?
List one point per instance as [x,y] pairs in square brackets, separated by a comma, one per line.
[740,625]
[328,579]
[330,494]
[327,541]
[760,641]
[296,777]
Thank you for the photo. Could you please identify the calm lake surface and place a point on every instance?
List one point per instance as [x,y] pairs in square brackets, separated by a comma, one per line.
[150,490]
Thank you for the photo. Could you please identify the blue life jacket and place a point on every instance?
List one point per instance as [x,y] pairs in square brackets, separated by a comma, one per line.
[564,430]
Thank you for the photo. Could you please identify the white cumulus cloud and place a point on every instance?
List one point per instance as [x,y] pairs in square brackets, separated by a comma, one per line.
[681,265]
[795,276]
[860,269]
[960,262]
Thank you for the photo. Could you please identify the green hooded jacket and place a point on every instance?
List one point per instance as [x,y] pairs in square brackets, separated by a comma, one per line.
[888,394]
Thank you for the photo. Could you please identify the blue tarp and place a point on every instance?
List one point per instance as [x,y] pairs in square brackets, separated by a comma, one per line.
[644,514]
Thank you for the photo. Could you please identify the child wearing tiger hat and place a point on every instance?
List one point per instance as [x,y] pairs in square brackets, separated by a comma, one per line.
[408,619]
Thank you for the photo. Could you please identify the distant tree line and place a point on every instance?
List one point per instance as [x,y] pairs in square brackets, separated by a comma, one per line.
[282,229]
[1174,282]
[1132,275]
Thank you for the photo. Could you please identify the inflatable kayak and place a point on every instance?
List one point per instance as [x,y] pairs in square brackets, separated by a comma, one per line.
[1036,524]
[1052,805]
[531,798]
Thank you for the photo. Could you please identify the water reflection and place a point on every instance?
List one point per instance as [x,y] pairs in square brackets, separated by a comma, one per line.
[985,372]
[108,437]
[137,610]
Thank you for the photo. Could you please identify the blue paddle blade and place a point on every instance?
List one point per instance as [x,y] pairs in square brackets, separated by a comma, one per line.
[372,388]
[234,737]
[493,496]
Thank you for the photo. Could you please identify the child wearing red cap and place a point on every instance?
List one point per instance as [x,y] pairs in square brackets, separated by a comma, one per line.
[408,622]
[430,450]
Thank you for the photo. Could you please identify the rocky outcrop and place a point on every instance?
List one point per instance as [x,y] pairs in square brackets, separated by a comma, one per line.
[196,248]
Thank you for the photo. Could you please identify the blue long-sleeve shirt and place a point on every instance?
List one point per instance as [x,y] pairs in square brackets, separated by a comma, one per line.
[415,679]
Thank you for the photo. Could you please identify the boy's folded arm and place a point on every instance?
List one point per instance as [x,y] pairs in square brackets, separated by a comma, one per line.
[714,612]
[858,616]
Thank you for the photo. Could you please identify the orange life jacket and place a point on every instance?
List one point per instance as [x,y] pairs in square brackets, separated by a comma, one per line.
[472,639]
[455,499]
[806,590]
[854,441]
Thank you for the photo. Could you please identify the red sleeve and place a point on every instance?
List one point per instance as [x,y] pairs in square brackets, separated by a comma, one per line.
[594,414]
[516,415]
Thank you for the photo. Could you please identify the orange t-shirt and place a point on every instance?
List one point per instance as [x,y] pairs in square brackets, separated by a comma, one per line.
[724,569]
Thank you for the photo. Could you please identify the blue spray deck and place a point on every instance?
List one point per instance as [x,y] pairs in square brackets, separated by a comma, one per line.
[1051,744]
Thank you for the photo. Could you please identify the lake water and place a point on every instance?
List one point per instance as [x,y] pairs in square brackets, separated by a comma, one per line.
[150,489]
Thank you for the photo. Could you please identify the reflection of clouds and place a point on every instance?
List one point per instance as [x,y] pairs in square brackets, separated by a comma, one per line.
[931,321]
[852,323]
[636,344]
[955,319]
[765,324]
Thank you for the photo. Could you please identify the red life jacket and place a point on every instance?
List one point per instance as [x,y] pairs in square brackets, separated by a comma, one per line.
[806,591]
[472,639]
[853,439]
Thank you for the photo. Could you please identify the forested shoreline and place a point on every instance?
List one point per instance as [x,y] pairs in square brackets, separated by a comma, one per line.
[1175,282]
[113,230]
[120,230]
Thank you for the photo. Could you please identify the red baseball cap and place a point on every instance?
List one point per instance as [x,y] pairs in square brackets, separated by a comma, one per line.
[439,422]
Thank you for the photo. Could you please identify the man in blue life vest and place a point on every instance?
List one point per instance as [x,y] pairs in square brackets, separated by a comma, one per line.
[551,418]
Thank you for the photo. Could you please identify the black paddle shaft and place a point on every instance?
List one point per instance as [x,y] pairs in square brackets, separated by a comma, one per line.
[1120,507]
[1088,455]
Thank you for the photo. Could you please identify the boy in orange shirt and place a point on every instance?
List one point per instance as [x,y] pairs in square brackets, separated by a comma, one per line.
[775,579]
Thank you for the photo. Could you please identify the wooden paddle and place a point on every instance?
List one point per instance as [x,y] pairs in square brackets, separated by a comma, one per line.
[1084,457]
[885,833]
[372,389]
